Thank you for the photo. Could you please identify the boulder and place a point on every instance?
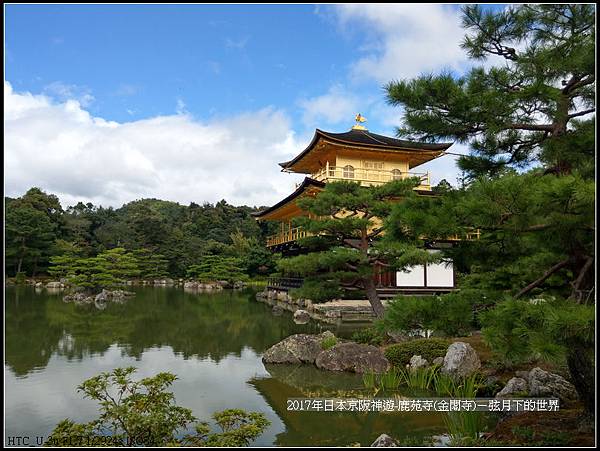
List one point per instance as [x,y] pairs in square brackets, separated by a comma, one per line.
[191,284]
[397,337]
[383,440]
[515,386]
[164,282]
[102,296]
[79,298]
[277,310]
[438,361]
[282,296]
[327,334]
[522,374]
[299,348]
[550,385]
[54,285]
[416,362]
[301,317]
[460,360]
[39,285]
[350,356]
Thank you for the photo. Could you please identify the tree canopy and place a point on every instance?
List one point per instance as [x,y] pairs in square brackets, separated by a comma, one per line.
[165,237]
[529,277]
[533,106]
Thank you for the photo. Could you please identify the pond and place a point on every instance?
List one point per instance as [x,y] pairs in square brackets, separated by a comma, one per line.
[212,342]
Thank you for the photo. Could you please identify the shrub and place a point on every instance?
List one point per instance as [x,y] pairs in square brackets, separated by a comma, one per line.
[328,343]
[369,336]
[144,414]
[428,348]
[451,314]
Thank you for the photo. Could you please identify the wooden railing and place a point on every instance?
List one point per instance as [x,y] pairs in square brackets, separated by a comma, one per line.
[474,235]
[369,176]
[285,283]
[296,233]
[286,236]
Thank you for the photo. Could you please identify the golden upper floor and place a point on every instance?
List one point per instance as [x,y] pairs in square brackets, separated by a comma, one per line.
[364,157]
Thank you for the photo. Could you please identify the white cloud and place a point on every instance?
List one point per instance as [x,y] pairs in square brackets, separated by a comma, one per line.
[336,106]
[239,44]
[181,107]
[64,91]
[61,148]
[404,40]
[445,167]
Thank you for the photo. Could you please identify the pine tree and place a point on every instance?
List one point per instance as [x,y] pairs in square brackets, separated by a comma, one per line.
[537,228]
[534,105]
[346,223]
[107,269]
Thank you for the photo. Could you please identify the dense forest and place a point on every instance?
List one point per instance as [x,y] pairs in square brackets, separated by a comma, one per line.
[169,237]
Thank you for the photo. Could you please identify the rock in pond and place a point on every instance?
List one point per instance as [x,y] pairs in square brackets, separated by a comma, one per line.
[299,348]
[277,310]
[383,440]
[54,285]
[301,317]
[350,356]
[460,360]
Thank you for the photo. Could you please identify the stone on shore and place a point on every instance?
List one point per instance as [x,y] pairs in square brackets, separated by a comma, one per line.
[383,440]
[301,316]
[550,385]
[299,348]
[416,362]
[350,356]
[460,360]
[54,285]
[517,386]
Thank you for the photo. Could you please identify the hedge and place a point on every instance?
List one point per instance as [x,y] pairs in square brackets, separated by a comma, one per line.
[429,348]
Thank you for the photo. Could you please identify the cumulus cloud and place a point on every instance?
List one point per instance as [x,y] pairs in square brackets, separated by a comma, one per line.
[60,147]
[336,106]
[403,40]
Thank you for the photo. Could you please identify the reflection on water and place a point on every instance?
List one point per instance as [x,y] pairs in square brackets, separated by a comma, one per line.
[212,341]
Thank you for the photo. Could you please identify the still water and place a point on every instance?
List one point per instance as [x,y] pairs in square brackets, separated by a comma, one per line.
[212,342]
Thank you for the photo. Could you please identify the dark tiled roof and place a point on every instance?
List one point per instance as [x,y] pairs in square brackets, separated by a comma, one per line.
[364,138]
[368,138]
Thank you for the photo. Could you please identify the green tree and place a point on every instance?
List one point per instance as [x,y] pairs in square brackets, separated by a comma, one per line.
[143,413]
[537,229]
[536,239]
[345,220]
[151,265]
[32,224]
[217,267]
[530,107]
[107,269]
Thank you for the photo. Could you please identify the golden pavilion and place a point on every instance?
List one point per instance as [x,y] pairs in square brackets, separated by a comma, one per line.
[369,159]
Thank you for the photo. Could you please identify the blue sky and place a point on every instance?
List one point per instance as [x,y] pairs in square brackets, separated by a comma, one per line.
[218,59]
[248,82]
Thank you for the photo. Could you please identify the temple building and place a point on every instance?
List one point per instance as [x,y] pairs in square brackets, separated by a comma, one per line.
[366,158]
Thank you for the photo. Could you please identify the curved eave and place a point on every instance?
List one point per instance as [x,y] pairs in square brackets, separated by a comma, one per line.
[334,138]
[306,183]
